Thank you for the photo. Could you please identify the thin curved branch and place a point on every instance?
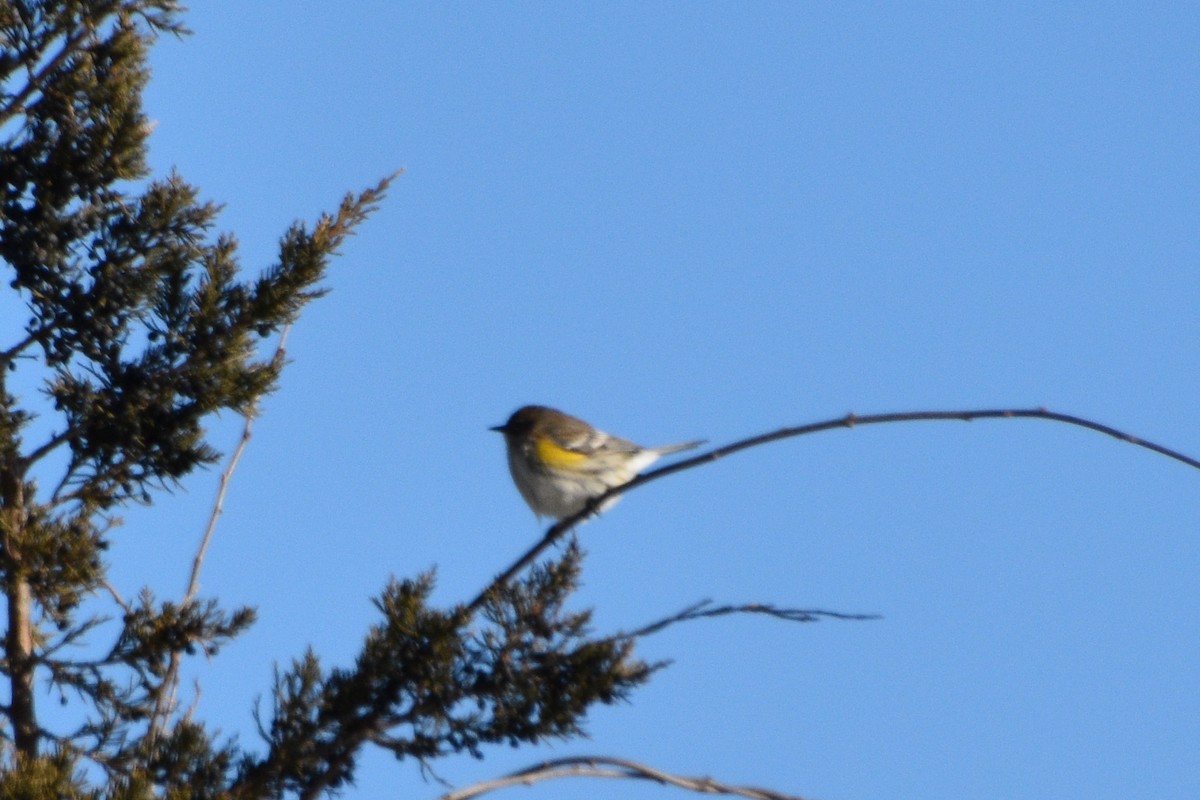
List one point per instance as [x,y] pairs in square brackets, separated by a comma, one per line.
[705,609]
[608,767]
[116,596]
[851,420]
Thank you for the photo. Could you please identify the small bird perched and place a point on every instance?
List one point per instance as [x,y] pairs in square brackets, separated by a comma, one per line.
[560,462]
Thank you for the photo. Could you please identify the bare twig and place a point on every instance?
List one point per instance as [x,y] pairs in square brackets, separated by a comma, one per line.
[116,596]
[223,484]
[166,701]
[68,637]
[705,609]
[430,774]
[560,528]
[608,767]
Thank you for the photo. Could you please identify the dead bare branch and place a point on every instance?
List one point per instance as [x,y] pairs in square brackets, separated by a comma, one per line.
[705,609]
[609,767]
[223,484]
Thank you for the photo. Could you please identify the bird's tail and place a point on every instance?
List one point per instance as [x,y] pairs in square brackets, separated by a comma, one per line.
[667,449]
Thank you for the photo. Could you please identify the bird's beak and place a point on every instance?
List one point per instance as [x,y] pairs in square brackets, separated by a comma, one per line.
[497,429]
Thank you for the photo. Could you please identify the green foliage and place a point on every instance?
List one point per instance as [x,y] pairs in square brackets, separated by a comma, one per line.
[44,777]
[429,682]
[140,326]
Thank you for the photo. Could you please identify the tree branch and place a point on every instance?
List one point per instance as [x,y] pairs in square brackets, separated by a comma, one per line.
[226,475]
[560,528]
[74,35]
[165,702]
[705,609]
[71,42]
[14,352]
[46,447]
[608,767]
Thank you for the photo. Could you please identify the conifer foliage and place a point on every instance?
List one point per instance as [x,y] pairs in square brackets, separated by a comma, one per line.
[139,325]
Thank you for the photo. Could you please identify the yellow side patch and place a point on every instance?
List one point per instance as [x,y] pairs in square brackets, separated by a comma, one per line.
[552,455]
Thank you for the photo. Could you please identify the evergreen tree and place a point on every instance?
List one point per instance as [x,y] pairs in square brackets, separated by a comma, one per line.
[140,326]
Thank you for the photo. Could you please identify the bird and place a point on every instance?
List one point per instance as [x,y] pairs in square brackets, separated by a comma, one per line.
[561,463]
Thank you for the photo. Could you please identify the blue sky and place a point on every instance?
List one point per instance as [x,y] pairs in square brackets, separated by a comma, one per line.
[711,220]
